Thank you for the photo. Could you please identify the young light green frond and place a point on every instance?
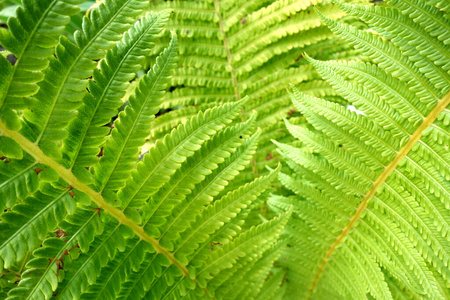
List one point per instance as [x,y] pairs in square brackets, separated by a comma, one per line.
[355,124]
[427,53]
[392,91]
[427,16]
[206,191]
[273,287]
[371,211]
[219,213]
[372,103]
[245,282]
[389,58]
[337,156]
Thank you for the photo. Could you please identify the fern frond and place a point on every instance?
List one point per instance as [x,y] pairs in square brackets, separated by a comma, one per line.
[247,281]
[99,106]
[27,224]
[32,37]
[18,180]
[165,123]
[132,126]
[389,58]
[117,272]
[248,243]
[427,16]
[371,210]
[184,182]
[427,53]
[86,268]
[232,49]
[220,212]
[168,155]
[64,84]
[77,226]
[52,261]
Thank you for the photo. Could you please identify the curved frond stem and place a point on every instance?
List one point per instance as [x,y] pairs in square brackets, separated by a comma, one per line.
[32,149]
[427,122]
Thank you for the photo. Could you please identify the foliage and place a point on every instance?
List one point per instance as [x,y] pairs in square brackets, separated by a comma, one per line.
[231,49]
[137,145]
[86,214]
[371,190]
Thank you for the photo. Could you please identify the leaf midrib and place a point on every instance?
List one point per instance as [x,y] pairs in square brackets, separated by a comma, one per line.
[67,175]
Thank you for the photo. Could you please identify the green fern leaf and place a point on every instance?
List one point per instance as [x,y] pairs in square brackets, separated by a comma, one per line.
[108,89]
[64,235]
[230,49]
[55,104]
[371,204]
[133,125]
[32,37]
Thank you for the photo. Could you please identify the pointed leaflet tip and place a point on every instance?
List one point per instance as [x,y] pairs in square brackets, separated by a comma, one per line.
[254,115]
[278,144]
[173,34]
[274,171]
[288,125]
[308,58]
[166,13]
[344,6]
[241,102]
[325,19]
[318,11]
[252,120]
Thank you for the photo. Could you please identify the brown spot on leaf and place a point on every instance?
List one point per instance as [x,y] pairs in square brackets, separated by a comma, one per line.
[99,210]
[60,233]
[100,154]
[291,112]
